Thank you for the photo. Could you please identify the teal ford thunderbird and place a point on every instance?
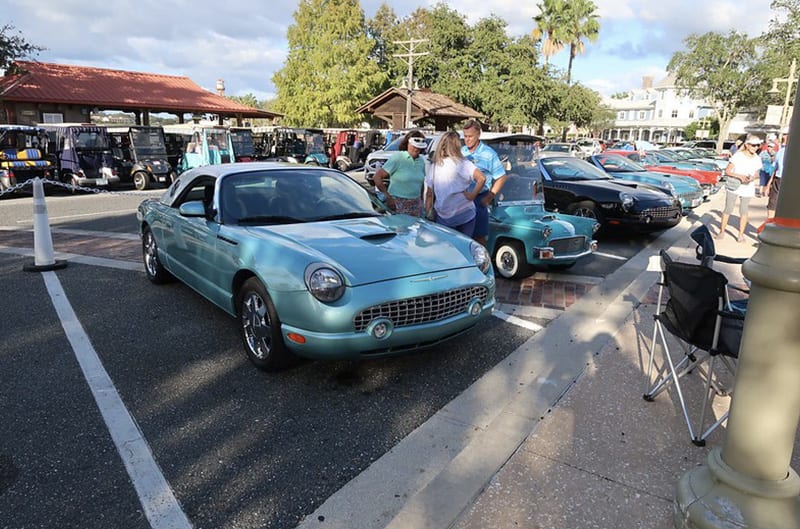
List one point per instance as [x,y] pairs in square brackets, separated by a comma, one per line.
[311,265]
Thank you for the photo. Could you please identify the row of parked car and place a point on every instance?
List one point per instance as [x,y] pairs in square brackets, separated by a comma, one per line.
[611,188]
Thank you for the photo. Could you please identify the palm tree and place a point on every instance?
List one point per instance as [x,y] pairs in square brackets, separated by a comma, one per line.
[549,27]
[581,22]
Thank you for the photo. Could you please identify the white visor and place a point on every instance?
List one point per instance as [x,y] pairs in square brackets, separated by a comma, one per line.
[419,143]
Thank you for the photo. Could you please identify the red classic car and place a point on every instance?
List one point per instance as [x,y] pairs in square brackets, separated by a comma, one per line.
[708,180]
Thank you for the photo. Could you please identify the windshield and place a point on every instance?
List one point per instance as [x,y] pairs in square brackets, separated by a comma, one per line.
[279,197]
[315,143]
[513,150]
[243,142]
[619,164]
[520,189]
[148,142]
[557,147]
[664,156]
[91,140]
[567,169]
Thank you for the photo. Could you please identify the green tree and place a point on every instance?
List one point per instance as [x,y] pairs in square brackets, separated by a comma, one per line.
[581,23]
[379,30]
[248,100]
[328,72]
[721,69]
[780,45]
[579,106]
[566,23]
[13,46]
[549,27]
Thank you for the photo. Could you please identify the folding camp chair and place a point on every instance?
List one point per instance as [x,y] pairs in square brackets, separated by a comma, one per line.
[698,315]
[706,253]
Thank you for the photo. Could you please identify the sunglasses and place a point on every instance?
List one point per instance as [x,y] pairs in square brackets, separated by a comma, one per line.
[754,144]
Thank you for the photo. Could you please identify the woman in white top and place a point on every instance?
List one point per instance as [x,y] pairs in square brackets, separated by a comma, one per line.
[741,176]
[453,182]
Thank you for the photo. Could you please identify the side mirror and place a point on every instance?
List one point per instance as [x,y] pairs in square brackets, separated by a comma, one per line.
[195,208]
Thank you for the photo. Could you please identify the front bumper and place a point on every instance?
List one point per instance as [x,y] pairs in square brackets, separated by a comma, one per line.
[335,332]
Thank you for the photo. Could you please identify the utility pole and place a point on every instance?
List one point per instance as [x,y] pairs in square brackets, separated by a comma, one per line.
[408,57]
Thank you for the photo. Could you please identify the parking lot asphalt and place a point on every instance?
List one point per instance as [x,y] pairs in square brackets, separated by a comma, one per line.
[240,448]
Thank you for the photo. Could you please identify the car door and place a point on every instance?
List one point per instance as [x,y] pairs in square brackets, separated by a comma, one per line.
[191,241]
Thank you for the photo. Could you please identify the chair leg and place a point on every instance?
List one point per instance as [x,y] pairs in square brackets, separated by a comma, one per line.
[675,376]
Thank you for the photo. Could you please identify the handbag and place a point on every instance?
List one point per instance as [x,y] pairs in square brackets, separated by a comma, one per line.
[731,183]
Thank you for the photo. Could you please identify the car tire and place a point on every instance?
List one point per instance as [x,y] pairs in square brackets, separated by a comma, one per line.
[585,209]
[510,261]
[261,328]
[140,180]
[153,268]
[313,162]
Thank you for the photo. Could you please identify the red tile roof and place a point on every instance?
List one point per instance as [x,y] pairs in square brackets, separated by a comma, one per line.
[115,89]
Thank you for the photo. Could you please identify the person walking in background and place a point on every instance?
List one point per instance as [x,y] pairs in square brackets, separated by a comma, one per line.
[774,184]
[486,159]
[741,175]
[767,166]
[406,171]
[453,185]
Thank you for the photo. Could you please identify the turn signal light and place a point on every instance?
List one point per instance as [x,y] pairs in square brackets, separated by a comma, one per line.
[296,338]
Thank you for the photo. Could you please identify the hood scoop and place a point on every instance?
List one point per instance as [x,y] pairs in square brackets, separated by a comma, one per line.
[379,238]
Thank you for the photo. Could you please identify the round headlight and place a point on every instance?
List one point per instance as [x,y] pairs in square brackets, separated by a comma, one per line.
[324,283]
[481,257]
[627,201]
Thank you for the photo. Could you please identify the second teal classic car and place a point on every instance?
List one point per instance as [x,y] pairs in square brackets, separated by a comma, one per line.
[306,260]
[523,233]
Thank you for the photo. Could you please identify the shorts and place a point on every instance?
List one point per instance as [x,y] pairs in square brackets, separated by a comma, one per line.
[763,178]
[467,228]
[774,189]
[730,200]
[408,206]
[481,216]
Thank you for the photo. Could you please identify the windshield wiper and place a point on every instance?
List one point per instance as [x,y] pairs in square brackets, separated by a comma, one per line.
[268,219]
[351,215]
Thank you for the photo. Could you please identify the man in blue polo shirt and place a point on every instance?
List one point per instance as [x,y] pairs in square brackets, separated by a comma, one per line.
[486,159]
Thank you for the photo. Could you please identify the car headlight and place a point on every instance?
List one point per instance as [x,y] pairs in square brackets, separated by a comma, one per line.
[481,257]
[324,283]
[627,201]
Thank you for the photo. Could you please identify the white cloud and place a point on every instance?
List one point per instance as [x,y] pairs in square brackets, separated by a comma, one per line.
[245,42]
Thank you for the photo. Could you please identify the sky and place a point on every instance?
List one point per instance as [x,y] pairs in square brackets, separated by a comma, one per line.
[244,43]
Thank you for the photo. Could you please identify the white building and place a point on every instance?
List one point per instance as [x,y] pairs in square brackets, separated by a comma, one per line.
[657,113]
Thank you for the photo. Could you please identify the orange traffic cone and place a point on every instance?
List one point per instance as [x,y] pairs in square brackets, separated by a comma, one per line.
[42,239]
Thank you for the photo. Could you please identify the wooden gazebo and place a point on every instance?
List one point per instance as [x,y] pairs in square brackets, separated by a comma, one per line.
[426,107]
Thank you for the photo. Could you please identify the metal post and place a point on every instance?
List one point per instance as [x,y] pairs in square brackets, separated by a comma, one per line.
[749,483]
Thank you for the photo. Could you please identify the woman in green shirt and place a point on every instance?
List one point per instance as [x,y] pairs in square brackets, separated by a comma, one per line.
[406,172]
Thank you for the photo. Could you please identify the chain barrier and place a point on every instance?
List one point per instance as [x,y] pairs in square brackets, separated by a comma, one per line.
[70,187]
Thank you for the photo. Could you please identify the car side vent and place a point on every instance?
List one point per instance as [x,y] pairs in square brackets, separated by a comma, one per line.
[379,238]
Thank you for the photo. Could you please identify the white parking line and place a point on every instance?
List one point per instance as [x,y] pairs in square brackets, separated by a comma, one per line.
[517,321]
[158,501]
[611,256]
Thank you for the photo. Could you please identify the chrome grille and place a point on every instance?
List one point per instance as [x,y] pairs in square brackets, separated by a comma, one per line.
[422,309]
[669,212]
[568,245]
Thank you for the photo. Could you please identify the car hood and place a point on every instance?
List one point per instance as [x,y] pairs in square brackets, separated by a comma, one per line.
[651,177]
[639,190]
[373,249]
